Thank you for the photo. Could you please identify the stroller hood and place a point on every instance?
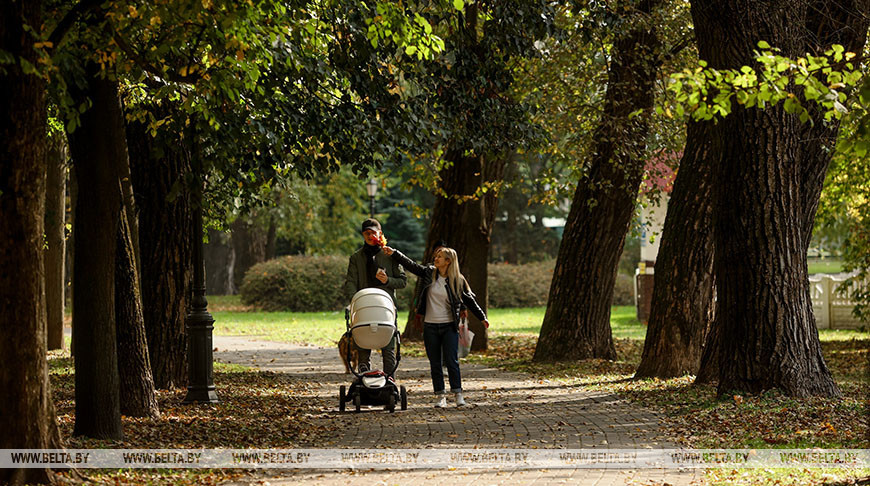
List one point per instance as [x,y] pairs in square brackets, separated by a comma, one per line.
[372,318]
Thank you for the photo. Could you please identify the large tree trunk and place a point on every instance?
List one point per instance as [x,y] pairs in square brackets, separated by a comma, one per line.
[682,297]
[829,23]
[134,368]
[467,225]
[165,243]
[249,246]
[25,403]
[98,147]
[768,333]
[55,217]
[577,321]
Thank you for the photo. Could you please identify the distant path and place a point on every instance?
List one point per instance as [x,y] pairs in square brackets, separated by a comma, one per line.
[510,410]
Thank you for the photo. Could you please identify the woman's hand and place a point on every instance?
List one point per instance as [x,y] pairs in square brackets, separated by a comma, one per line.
[387,250]
[485,323]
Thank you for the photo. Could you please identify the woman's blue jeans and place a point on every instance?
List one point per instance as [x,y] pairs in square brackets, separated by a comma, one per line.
[443,338]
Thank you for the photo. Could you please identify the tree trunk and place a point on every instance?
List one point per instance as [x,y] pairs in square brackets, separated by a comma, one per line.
[467,226]
[219,263]
[97,147]
[132,213]
[708,370]
[70,248]
[683,290]
[134,368]
[55,215]
[577,321]
[768,333]
[25,404]
[249,245]
[165,226]
[271,239]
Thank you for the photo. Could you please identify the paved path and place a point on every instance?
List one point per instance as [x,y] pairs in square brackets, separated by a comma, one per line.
[509,410]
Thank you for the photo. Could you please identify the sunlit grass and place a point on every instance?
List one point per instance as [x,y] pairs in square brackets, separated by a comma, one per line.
[325,328]
[824,266]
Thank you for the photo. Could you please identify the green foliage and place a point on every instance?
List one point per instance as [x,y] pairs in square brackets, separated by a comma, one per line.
[519,234]
[568,81]
[320,216]
[835,81]
[857,259]
[401,228]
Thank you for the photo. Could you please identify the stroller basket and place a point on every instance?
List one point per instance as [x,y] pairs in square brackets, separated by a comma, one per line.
[372,318]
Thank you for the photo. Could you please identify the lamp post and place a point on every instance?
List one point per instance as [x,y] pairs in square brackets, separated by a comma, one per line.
[199,324]
[372,189]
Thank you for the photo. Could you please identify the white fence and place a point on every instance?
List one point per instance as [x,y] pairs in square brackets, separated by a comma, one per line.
[832,310]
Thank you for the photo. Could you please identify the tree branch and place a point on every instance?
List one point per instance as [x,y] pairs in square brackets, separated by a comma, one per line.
[150,68]
[66,23]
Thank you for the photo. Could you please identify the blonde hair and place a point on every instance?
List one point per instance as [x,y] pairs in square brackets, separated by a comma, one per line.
[454,276]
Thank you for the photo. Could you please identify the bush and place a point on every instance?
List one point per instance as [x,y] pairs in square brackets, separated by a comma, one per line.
[296,283]
[526,285]
[304,284]
[623,290]
[314,283]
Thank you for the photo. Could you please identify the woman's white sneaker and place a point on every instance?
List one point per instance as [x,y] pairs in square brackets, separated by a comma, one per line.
[442,402]
[460,402]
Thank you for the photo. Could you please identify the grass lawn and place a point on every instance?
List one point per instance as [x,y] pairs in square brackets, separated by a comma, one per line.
[325,328]
[827,265]
[694,416]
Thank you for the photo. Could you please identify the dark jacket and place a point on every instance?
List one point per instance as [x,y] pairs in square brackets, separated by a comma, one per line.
[357,279]
[457,305]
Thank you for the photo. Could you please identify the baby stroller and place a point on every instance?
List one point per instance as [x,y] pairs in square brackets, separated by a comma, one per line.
[371,321]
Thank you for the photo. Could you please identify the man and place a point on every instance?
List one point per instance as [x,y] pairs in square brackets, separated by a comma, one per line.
[369,267]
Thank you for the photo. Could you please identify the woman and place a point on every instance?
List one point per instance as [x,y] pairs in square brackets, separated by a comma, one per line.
[445,299]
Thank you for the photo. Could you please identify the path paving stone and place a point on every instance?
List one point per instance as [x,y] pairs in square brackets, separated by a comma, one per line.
[509,410]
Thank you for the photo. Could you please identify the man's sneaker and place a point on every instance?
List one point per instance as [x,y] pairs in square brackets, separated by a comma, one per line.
[442,402]
[460,402]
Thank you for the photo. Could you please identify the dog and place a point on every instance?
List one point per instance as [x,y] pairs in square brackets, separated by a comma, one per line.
[346,347]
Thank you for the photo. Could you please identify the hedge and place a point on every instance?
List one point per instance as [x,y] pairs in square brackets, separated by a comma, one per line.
[314,283]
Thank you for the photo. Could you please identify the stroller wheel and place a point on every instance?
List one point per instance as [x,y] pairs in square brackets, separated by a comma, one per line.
[404,396]
[357,402]
[391,403]
[341,395]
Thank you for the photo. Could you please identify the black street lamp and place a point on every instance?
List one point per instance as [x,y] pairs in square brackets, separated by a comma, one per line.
[199,324]
[372,189]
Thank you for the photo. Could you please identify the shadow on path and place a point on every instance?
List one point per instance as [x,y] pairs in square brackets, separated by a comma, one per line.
[509,410]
